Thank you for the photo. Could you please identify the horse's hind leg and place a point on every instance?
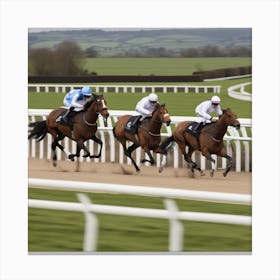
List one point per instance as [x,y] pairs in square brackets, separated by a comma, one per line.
[188,159]
[229,164]
[128,153]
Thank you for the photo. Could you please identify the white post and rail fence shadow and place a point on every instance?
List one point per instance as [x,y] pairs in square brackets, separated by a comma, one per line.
[176,233]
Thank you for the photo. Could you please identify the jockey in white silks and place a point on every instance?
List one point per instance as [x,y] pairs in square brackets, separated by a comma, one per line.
[205,108]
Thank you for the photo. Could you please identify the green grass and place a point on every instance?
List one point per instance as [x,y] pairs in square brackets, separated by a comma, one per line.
[178,104]
[160,66]
[62,231]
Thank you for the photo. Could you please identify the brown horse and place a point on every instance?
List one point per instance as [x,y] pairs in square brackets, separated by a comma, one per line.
[210,140]
[147,136]
[84,127]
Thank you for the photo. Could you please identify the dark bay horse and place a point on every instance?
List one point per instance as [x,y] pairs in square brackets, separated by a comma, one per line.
[210,140]
[84,127]
[147,136]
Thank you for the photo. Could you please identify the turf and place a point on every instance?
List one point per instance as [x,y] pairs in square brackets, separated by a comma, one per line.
[62,231]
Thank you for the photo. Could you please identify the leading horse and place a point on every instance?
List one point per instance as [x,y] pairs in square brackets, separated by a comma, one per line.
[147,136]
[210,140]
[84,127]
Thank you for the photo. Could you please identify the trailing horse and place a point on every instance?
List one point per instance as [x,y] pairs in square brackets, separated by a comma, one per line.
[147,135]
[210,140]
[84,127]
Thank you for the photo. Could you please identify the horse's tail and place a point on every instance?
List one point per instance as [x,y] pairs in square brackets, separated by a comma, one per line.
[167,143]
[38,130]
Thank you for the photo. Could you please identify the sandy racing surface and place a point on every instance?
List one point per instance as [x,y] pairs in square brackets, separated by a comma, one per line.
[235,182]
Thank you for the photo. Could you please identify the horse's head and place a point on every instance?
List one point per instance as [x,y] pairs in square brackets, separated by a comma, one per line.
[163,114]
[100,105]
[230,118]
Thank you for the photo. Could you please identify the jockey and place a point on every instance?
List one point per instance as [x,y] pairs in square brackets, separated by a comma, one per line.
[145,107]
[205,108]
[75,100]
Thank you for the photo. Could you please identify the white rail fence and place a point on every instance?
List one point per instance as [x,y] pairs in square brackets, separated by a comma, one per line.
[237,143]
[176,233]
[238,92]
[126,88]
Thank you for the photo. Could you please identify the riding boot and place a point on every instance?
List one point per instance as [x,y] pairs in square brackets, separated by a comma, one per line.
[198,127]
[135,123]
[68,117]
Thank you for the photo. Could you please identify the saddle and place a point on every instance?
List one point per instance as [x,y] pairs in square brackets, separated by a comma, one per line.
[132,124]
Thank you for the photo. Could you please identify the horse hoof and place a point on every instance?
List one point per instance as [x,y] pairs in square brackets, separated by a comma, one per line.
[212,173]
[86,155]
[160,169]
[71,157]
[191,174]
[54,164]
[225,174]
[202,173]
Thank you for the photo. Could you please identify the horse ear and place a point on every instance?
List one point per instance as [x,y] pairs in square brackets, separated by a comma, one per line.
[225,110]
[162,105]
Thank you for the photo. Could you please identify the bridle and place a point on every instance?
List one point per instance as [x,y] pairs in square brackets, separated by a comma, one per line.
[97,101]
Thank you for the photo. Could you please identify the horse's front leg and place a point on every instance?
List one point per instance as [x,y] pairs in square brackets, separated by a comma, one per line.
[163,162]
[98,141]
[80,146]
[208,156]
[151,159]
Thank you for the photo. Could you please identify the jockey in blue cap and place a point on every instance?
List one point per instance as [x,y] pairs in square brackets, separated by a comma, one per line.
[75,100]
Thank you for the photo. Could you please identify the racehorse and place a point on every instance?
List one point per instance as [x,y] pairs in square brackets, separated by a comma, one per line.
[147,135]
[209,141]
[84,127]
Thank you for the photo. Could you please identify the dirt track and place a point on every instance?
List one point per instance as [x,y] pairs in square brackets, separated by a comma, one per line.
[235,182]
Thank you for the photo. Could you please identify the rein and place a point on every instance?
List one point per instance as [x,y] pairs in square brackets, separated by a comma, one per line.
[153,134]
[216,140]
[86,122]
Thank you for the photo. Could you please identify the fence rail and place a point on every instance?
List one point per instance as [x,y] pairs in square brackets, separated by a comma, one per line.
[172,213]
[238,92]
[126,88]
[237,143]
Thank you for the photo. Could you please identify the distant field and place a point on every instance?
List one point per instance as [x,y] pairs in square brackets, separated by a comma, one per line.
[160,66]
[178,104]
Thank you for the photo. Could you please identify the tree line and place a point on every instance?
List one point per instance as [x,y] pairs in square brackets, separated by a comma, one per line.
[67,57]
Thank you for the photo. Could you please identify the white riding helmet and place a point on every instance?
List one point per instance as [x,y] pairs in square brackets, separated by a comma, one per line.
[153,97]
[215,99]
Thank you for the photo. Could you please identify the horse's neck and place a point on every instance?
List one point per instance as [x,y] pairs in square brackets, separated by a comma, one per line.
[91,114]
[218,129]
[154,124]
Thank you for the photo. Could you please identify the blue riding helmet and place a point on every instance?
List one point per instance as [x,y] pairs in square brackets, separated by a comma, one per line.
[86,91]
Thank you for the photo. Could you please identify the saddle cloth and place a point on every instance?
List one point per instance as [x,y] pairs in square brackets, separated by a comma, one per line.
[130,126]
[190,129]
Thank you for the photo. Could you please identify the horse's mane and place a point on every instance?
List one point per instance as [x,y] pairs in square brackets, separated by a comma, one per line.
[225,110]
[91,100]
[158,106]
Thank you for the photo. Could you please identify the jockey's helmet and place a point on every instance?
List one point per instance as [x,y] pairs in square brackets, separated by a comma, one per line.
[215,100]
[153,97]
[86,91]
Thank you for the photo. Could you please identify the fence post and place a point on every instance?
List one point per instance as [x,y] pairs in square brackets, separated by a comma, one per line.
[91,225]
[176,229]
